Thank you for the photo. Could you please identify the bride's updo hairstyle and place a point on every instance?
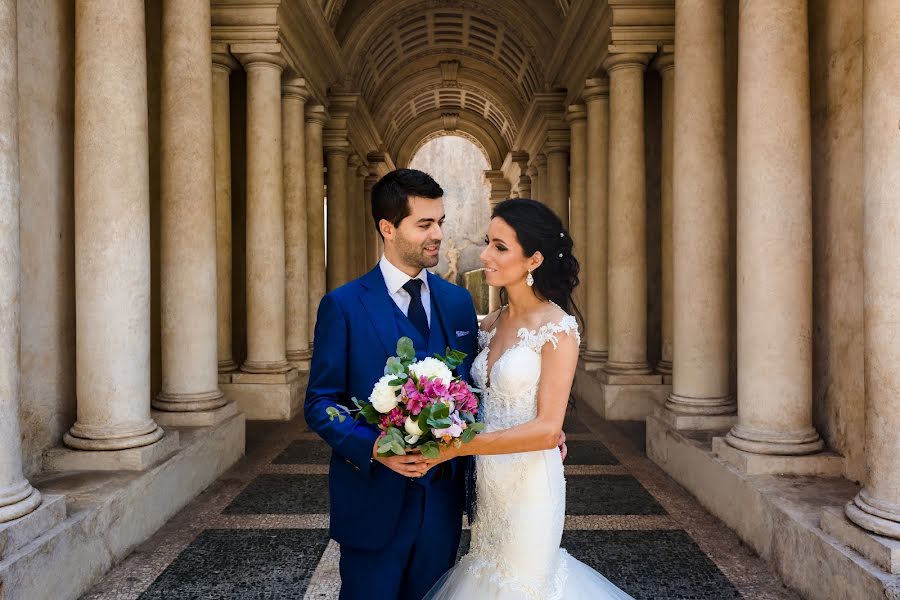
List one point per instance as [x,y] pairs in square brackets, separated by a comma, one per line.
[538,228]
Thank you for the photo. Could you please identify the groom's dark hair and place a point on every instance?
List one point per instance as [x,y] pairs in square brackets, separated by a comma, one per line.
[390,195]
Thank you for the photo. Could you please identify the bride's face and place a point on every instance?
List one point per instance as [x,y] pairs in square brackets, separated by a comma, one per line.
[505,263]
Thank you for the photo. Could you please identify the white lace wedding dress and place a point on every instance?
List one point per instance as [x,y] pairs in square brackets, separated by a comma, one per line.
[521,498]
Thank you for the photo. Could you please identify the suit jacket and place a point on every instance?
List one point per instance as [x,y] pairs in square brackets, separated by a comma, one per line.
[355,334]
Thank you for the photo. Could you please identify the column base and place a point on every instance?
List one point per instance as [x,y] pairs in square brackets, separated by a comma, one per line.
[271,396]
[689,405]
[874,516]
[627,368]
[664,367]
[202,418]
[227,366]
[594,360]
[49,512]
[81,437]
[129,459]
[620,397]
[264,367]
[203,401]
[822,464]
[883,551]
[299,359]
[18,502]
[789,443]
[688,422]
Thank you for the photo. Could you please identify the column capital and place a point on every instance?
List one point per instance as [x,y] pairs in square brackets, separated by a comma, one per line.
[362,170]
[222,58]
[336,149]
[531,171]
[595,89]
[370,181]
[316,113]
[500,187]
[576,113]
[269,60]
[634,60]
[295,88]
[354,160]
[540,161]
[664,61]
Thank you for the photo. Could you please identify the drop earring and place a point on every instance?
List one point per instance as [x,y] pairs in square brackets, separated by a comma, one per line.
[529,280]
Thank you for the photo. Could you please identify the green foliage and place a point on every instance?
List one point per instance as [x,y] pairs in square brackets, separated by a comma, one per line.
[333,413]
[368,412]
[392,443]
[452,358]
[440,416]
[430,449]
[406,351]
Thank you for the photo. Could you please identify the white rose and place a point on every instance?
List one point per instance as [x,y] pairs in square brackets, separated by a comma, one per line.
[384,396]
[412,427]
[433,369]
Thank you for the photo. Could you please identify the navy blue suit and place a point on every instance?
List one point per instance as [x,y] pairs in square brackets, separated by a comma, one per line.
[397,535]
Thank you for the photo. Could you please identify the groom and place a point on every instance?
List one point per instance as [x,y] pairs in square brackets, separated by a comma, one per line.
[398,525]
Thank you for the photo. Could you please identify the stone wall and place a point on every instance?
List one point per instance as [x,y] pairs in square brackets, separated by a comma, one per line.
[458,166]
[46,44]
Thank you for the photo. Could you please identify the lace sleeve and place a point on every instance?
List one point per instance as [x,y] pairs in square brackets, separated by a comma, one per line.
[549,333]
[484,338]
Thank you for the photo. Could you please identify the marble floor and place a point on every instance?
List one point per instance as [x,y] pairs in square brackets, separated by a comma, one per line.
[261,530]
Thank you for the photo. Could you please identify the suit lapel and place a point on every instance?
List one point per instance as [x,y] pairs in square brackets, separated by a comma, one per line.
[380,308]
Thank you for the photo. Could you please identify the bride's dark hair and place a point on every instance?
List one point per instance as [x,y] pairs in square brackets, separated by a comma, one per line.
[538,228]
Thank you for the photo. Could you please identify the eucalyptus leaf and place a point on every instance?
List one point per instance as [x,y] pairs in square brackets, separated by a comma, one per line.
[467,436]
[405,348]
[476,427]
[430,450]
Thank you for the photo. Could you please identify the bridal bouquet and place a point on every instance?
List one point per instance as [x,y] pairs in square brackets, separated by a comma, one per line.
[418,405]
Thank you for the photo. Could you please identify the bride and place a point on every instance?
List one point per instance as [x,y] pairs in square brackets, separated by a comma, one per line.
[529,350]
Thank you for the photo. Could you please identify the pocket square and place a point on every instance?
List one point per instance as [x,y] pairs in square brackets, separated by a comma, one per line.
[461,333]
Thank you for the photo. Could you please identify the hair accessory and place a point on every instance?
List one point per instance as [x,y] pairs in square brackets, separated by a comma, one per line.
[560,254]
[562,234]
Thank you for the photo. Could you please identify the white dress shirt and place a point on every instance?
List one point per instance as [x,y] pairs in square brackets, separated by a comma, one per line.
[395,279]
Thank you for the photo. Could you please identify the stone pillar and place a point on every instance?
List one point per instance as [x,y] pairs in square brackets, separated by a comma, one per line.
[315,202]
[627,258]
[699,213]
[112,232]
[296,260]
[362,220]
[665,65]
[540,162]
[338,254]
[531,189]
[576,116]
[373,239]
[187,214]
[596,99]
[774,237]
[222,66]
[877,507]
[265,217]
[354,217]
[558,182]
[17,497]
[500,189]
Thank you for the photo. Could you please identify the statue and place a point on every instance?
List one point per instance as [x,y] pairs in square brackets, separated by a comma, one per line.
[452,256]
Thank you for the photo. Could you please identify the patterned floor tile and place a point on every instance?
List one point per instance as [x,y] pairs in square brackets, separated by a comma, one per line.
[609,495]
[274,564]
[277,494]
[650,565]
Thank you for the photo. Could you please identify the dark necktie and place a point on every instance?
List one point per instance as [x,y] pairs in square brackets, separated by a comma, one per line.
[416,311]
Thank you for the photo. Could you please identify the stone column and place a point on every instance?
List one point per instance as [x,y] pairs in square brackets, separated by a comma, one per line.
[576,116]
[17,497]
[627,258]
[596,99]
[774,237]
[531,174]
[315,202]
[187,214]
[699,214]
[665,65]
[296,260]
[338,254]
[499,192]
[354,217]
[558,182]
[265,217]
[112,231]
[362,219]
[877,506]
[542,186]
[222,66]
[373,239]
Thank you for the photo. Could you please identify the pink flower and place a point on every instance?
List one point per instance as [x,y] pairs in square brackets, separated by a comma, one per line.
[415,401]
[466,401]
[396,417]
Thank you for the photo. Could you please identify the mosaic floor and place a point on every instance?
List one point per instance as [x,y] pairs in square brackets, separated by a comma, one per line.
[260,531]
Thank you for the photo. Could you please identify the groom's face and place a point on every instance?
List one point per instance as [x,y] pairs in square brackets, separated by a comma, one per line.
[417,239]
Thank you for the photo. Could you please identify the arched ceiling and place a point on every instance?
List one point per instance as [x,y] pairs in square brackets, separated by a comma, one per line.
[481,60]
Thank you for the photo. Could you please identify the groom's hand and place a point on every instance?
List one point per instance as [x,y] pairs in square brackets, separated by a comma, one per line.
[407,465]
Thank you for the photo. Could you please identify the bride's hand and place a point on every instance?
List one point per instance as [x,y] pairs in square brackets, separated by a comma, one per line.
[447,452]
